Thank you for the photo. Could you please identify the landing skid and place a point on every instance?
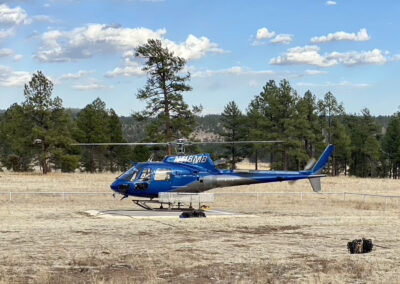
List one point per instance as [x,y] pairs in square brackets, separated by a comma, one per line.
[169,205]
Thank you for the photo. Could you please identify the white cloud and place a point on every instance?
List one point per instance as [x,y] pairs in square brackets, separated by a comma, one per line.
[310,55]
[6,52]
[4,33]
[253,84]
[313,72]
[282,39]
[85,42]
[43,19]
[91,85]
[235,70]
[330,84]
[330,3]
[132,69]
[12,16]
[264,33]
[374,56]
[193,47]
[18,57]
[11,78]
[362,35]
[75,76]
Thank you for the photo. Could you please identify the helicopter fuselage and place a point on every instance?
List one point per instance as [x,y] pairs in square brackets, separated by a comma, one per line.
[197,173]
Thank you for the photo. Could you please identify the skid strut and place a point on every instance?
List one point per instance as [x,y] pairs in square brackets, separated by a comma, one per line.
[169,205]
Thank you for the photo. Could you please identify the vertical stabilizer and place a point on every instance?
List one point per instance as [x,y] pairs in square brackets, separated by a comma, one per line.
[315,183]
[323,160]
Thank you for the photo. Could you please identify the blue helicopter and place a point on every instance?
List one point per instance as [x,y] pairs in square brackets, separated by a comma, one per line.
[198,173]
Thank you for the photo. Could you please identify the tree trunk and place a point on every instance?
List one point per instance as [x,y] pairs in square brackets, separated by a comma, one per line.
[167,117]
[44,161]
[256,159]
[233,157]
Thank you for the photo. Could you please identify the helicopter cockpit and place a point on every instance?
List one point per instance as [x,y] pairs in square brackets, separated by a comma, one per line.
[129,175]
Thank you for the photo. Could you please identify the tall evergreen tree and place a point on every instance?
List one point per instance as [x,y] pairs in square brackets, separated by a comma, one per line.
[118,156]
[391,146]
[330,109]
[64,156]
[163,94]
[277,105]
[233,122]
[16,139]
[342,141]
[49,121]
[93,126]
[308,128]
[257,124]
[365,148]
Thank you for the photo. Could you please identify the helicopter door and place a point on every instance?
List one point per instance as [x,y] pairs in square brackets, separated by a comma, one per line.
[162,178]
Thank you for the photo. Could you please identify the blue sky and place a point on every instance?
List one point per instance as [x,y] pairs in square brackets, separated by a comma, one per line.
[233,48]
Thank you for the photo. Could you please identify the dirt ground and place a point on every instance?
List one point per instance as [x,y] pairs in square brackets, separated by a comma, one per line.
[47,239]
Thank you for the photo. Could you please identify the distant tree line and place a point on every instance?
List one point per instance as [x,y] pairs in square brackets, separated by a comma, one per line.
[306,125]
[41,132]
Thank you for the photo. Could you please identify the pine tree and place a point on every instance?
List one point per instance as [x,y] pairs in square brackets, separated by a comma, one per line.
[233,122]
[16,139]
[342,141]
[365,148]
[63,156]
[163,94]
[50,124]
[118,156]
[256,124]
[308,128]
[391,145]
[93,126]
[277,104]
[329,108]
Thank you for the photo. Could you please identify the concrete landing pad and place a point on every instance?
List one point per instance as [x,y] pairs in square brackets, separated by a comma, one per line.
[140,214]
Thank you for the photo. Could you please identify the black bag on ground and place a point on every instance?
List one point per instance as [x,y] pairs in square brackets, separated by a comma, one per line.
[360,246]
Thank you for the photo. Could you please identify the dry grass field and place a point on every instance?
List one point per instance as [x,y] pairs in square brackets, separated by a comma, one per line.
[45,239]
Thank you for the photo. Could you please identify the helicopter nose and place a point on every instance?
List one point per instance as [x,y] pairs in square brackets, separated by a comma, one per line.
[114,186]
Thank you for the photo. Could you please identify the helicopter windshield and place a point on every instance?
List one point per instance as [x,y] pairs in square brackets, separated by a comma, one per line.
[129,175]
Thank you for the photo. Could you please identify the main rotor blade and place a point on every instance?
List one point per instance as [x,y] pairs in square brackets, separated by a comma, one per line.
[237,142]
[117,144]
[174,143]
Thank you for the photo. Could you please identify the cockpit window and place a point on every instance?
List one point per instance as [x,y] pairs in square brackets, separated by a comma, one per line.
[129,174]
[146,174]
[162,175]
[135,174]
